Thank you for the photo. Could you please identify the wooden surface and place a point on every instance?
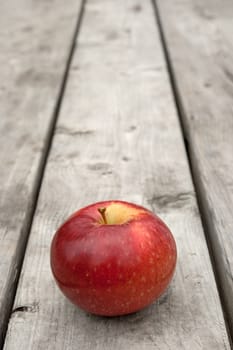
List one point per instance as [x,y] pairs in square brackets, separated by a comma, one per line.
[203,70]
[118,136]
[35,42]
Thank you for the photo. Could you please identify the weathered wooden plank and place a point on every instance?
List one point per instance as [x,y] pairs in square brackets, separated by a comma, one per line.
[199,40]
[35,41]
[118,136]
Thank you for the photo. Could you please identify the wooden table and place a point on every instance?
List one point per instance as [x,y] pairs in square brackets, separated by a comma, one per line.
[126,99]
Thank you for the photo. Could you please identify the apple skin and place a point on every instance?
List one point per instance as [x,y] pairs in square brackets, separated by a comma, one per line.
[115,268]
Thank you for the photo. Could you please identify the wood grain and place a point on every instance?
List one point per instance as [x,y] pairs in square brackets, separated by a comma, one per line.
[118,136]
[35,43]
[199,40]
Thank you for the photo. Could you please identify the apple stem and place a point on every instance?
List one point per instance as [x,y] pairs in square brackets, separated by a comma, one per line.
[102,212]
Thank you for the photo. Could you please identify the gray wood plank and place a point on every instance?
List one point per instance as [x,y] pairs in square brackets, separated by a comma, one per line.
[35,41]
[118,136]
[199,40]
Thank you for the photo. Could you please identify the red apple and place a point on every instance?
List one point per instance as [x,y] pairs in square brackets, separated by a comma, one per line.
[113,258]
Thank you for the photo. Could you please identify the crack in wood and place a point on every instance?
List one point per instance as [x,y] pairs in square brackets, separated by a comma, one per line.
[177,201]
[26,308]
[66,131]
[228,74]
